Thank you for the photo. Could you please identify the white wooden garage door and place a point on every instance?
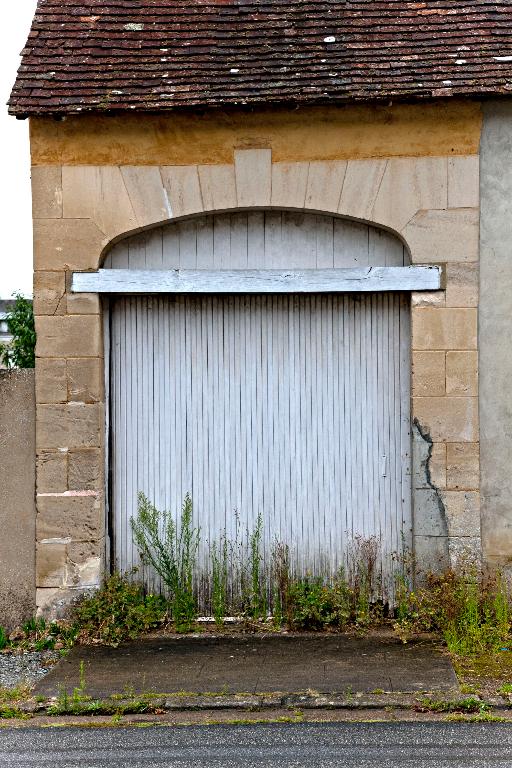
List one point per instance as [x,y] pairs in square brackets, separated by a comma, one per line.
[295,408]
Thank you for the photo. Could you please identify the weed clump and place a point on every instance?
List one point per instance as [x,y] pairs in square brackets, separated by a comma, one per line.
[469,608]
[170,548]
[120,610]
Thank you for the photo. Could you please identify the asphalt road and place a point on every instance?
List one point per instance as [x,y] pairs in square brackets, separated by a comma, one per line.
[387,745]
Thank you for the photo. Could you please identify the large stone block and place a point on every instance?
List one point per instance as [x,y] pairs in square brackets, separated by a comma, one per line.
[75,425]
[98,193]
[77,518]
[325,181]
[47,192]
[183,190]
[86,470]
[462,512]
[410,184]
[428,373]
[462,285]
[69,336]
[52,471]
[360,188]
[218,188]
[462,373]
[147,194]
[51,384]
[51,559]
[67,244]
[83,303]
[49,293]
[289,181]
[448,419]
[253,172]
[463,182]
[443,236]
[85,378]
[465,552]
[463,466]
[436,328]
[429,515]
[431,555]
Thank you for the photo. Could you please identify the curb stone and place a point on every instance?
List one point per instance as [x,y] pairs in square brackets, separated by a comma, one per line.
[254,702]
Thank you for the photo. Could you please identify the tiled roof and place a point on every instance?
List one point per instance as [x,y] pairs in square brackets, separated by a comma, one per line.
[103,55]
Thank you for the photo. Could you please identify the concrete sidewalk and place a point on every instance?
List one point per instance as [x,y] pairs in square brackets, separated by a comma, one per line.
[252,664]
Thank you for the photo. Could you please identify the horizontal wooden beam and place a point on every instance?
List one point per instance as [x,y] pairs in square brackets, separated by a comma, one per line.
[241,281]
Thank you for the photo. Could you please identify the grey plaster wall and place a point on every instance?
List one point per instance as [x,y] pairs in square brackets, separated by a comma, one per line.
[495,333]
[17,497]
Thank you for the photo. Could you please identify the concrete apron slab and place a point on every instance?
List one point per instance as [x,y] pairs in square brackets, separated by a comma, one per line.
[254,664]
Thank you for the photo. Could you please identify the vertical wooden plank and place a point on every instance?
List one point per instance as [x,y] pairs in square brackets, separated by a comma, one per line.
[171,246]
[350,244]
[222,241]
[205,242]
[256,239]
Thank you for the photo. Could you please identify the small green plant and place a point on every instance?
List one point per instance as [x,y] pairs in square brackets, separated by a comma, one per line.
[257,602]
[20,352]
[4,639]
[119,611]
[281,584]
[463,706]
[171,549]
[219,556]
[506,689]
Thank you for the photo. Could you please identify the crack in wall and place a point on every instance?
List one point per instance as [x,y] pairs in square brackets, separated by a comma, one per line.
[426,437]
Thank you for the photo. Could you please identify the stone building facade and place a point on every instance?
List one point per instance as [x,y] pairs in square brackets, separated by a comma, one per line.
[413,169]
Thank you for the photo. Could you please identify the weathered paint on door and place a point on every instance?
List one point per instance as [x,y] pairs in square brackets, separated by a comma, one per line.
[295,408]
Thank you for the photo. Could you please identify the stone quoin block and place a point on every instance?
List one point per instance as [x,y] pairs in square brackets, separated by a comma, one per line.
[74,425]
[47,192]
[51,385]
[462,512]
[52,471]
[85,378]
[428,373]
[77,518]
[67,244]
[443,236]
[69,336]
[49,293]
[463,466]
[462,373]
[448,419]
[436,328]
[85,470]
[462,286]
[51,559]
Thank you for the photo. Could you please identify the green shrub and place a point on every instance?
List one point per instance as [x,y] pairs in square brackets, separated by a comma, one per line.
[314,605]
[119,611]
[20,352]
[469,609]
[171,549]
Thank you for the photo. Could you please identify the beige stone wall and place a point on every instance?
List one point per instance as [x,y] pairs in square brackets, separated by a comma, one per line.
[431,202]
[17,502]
